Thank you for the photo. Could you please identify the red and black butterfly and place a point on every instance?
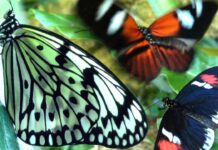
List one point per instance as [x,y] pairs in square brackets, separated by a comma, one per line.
[192,117]
[143,51]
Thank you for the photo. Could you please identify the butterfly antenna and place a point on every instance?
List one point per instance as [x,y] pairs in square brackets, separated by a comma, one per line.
[11,5]
[157,102]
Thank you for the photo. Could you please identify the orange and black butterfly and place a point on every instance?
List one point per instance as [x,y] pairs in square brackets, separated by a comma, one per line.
[167,42]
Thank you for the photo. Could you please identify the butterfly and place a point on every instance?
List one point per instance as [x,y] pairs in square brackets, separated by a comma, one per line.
[167,42]
[58,94]
[192,117]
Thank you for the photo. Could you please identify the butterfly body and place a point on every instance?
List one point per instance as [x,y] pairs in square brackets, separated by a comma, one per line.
[191,118]
[58,94]
[167,42]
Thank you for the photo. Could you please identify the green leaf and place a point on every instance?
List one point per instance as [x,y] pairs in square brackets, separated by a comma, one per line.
[7,134]
[215,145]
[177,80]
[69,25]
[52,19]
[209,46]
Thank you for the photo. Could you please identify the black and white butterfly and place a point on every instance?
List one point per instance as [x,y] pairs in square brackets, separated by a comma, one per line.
[192,117]
[58,94]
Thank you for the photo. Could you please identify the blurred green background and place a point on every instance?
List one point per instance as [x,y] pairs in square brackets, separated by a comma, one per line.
[60,16]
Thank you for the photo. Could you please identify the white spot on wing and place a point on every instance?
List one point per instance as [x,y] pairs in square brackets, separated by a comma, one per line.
[202,84]
[56,45]
[131,139]
[186,18]
[92,138]
[136,113]
[92,62]
[171,137]
[50,140]
[76,50]
[103,110]
[117,95]
[116,22]
[80,63]
[130,122]
[85,124]
[100,138]
[32,139]
[59,140]
[103,8]
[124,143]
[108,98]
[42,140]
[215,118]
[141,131]
[78,134]
[67,136]
[23,135]
[198,7]
[109,141]
[208,86]
[136,105]
[209,139]
[108,77]
[117,141]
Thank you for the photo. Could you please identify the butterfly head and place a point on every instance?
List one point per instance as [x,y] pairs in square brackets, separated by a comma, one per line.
[9,25]
[145,31]
[169,103]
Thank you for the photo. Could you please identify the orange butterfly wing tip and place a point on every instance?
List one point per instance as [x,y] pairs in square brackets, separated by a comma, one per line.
[165,26]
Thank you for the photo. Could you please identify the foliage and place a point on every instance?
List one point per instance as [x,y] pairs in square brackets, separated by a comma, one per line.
[8,138]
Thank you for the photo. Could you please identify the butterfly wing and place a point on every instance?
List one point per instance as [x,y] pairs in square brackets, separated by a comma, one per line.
[58,94]
[177,32]
[110,22]
[195,129]
[181,132]
[200,95]
[190,22]
[145,60]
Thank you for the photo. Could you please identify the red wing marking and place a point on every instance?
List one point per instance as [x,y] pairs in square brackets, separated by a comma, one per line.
[166,145]
[210,79]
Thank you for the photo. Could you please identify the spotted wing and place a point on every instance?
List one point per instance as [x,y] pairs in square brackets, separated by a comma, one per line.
[181,132]
[145,60]
[57,94]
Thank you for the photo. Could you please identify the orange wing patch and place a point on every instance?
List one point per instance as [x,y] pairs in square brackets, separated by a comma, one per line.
[165,26]
[130,30]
